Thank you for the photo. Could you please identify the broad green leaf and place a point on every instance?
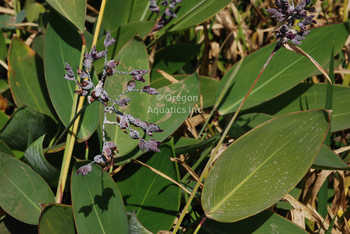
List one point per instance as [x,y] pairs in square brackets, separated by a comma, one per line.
[24,127]
[194,12]
[63,44]
[56,219]
[22,191]
[74,11]
[35,158]
[135,227]
[308,97]
[27,80]
[38,44]
[3,48]
[3,119]
[150,195]
[208,87]
[265,222]
[285,70]
[97,204]
[262,166]
[122,35]
[33,10]
[171,58]
[252,120]
[132,57]
[5,149]
[4,86]
[185,145]
[117,13]
[328,160]
[174,103]
[10,225]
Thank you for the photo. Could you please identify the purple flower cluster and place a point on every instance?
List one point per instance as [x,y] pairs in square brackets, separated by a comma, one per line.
[286,14]
[168,14]
[98,93]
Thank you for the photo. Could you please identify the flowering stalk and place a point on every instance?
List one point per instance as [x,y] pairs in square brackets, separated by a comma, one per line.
[98,93]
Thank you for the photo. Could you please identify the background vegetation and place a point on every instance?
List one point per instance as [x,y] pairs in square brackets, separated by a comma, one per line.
[281,167]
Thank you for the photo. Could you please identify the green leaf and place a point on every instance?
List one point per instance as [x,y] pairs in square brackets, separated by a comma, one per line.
[7,19]
[3,48]
[122,35]
[74,11]
[5,149]
[262,166]
[24,127]
[185,145]
[22,191]
[132,57]
[63,44]
[285,70]
[264,222]
[171,58]
[3,119]
[27,80]
[33,10]
[328,160]
[35,158]
[195,12]
[149,194]
[208,87]
[308,97]
[174,103]
[10,225]
[56,219]
[252,120]
[38,44]
[97,204]
[135,227]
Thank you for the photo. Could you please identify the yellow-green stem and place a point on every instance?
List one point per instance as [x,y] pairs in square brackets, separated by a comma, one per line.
[209,163]
[71,137]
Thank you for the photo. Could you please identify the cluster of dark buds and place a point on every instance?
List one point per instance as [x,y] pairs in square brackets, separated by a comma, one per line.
[286,14]
[98,93]
[167,15]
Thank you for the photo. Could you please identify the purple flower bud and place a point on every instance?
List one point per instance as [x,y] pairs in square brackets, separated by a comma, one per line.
[123,102]
[152,128]
[130,118]
[143,145]
[98,159]
[81,92]
[152,145]
[112,63]
[104,96]
[108,41]
[153,6]
[84,170]
[69,70]
[123,123]
[134,134]
[170,13]
[87,62]
[131,85]
[101,54]
[111,145]
[68,77]
[87,84]
[143,125]
[149,90]
[138,74]
[107,152]
[96,93]
[82,73]
[164,3]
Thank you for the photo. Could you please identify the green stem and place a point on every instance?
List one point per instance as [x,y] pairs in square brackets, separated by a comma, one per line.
[200,225]
[71,123]
[211,159]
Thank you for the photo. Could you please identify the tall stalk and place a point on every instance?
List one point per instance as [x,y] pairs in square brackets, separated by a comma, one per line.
[73,129]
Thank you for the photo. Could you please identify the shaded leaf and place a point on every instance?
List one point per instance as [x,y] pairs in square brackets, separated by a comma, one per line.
[328,160]
[97,204]
[135,227]
[24,190]
[149,194]
[24,127]
[56,219]
[26,79]
[35,158]
[74,11]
